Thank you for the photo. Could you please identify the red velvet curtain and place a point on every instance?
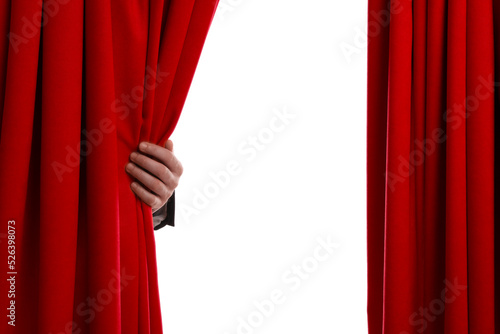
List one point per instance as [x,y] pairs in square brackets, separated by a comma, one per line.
[432,98]
[81,84]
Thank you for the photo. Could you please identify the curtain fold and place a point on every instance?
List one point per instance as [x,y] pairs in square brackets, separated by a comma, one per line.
[82,83]
[432,98]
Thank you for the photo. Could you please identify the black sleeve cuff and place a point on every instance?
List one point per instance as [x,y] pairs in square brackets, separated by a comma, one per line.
[169,220]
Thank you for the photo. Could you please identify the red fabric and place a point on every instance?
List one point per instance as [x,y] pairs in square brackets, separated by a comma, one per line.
[77,97]
[430,166]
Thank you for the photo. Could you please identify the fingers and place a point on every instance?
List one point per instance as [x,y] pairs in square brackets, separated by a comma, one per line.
[156,168]
[152,183]
[164,155]
[169,145]
[147,197]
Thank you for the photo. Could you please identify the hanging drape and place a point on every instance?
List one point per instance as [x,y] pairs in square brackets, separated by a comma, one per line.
[432,98]
[81,84]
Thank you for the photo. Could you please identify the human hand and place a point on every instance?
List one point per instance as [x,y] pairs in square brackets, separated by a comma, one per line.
[156,171]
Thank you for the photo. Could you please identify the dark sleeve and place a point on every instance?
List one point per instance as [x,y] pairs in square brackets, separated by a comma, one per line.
[170,209]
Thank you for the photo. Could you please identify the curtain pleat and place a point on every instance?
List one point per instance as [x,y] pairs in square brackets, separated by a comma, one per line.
[18,85]
[431,166]
[59,214]
[82,83]
[496,35]
[431,246]
[399,256]
[480,166]
[378,33]
[456,317]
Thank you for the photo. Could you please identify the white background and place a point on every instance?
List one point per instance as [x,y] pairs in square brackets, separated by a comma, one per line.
[305,182]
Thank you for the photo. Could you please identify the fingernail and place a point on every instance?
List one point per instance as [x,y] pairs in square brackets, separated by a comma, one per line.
[129,167]
[133,156]
[143,146]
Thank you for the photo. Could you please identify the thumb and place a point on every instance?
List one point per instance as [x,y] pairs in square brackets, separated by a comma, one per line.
[169,145]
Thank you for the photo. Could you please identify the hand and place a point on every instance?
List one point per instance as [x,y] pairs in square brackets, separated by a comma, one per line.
[157,172]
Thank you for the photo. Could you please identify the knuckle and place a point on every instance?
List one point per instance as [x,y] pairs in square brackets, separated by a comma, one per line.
[156,151]
[171,160]
[137,172]
[163,191]
[143,194]
[164,173]
[156,184]
[143,160]
[156,202]
[175,182]
[144,197]
[145,163]
[150,201]
[180,168]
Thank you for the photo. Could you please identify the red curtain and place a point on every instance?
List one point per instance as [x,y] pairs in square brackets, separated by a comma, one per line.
[81,84]
[432,98]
